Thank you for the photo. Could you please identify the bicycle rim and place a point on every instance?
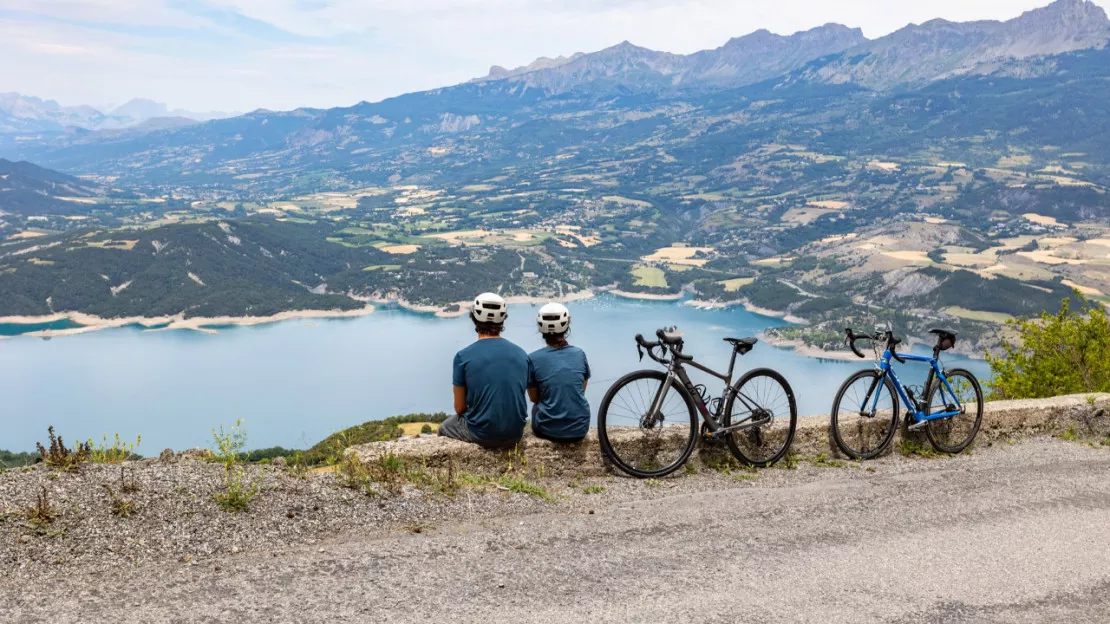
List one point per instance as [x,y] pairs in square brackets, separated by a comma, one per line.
[640,448]
[953,435]
[762,396]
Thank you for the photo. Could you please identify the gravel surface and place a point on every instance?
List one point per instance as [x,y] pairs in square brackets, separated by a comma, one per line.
[1010,533]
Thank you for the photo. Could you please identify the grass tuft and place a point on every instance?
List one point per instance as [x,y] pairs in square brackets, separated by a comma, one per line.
[823,460]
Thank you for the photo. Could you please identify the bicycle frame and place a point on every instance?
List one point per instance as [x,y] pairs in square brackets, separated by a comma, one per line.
[676,372]
[935,371]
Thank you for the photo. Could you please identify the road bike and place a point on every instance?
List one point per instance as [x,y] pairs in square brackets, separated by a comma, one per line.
[648,420]
[949,407]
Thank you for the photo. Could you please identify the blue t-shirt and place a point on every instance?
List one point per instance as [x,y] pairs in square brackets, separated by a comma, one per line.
[495,374]
[560,376]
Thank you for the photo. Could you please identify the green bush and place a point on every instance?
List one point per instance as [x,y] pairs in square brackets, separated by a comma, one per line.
[1054,354]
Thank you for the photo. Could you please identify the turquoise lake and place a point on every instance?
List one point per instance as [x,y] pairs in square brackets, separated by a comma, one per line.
[295,382]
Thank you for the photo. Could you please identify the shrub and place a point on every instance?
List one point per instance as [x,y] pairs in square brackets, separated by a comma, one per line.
[1055,354]
[60,457]
[426,428]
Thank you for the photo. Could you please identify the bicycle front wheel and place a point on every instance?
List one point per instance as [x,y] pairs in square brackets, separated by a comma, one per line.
[963,394]
[764,404]
[865,415]
[641,444]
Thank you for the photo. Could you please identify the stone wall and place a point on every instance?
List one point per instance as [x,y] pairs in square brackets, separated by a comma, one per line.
[1088,415]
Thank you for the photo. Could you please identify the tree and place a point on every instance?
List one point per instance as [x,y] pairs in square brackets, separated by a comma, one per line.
[1055,354]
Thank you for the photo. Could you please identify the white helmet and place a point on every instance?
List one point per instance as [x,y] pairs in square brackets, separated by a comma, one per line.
[489,308]
[553,318]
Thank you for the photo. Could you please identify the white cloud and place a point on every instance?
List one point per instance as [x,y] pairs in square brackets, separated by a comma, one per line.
[289,53]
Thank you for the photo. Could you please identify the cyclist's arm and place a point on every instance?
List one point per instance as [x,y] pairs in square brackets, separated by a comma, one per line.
[460,399]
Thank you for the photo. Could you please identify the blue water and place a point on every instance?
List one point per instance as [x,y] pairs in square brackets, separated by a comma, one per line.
[295,382]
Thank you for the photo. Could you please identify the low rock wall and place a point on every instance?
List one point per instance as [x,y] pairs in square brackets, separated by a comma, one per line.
[1088,415]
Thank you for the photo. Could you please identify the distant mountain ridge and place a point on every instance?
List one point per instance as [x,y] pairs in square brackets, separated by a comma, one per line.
[742,60]
[829,88]
[24,113]
[940,49]
[912,55]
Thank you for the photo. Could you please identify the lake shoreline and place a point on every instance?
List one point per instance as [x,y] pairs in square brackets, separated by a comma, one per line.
[90,323]
[810,351]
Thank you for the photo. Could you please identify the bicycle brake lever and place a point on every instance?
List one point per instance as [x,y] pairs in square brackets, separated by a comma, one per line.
[640,350]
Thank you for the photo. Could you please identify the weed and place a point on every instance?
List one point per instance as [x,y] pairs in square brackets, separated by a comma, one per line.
[653,483]
[743,476]
[594,489]
[120,507]
[127,486]
[60,457]
[229,444]
[118,452]
[1071,435]
[689,468]
[426,428]
[52,476]
[42,513]
[913,448]
[239,490]
[522,486]
[467,479]
[870,469]
[354,475]
[823,460]
[297,467]
[723,464]
[790,461]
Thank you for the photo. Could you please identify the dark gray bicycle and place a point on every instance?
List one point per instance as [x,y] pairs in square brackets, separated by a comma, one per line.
[648,420]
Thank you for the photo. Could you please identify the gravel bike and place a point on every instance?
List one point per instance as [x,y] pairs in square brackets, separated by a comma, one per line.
[949,407]
[648,420]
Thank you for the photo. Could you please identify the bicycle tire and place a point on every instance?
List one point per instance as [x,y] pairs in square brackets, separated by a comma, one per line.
[935,428]
[604,424]
[769,432]
[836,421]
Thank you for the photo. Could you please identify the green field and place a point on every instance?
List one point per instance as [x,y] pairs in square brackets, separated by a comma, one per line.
[650,277]
[734,285]
[977,315]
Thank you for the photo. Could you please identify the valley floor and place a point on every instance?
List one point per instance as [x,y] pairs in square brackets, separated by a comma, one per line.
[1008,533]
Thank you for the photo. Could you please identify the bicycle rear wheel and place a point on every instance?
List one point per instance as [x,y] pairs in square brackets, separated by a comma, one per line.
[953,435]
[641,446]
[762,396]
[865,415]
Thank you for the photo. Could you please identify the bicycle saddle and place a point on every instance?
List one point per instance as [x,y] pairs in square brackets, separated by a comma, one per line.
[943,333]
[743,345]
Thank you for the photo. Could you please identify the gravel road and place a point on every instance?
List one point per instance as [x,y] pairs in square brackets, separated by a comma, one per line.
[1015,533]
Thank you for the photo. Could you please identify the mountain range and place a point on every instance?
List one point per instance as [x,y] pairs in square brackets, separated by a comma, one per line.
[925,87]
[22,113]
[831,53]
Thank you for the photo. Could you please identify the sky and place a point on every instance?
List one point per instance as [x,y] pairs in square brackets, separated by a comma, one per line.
[239,55]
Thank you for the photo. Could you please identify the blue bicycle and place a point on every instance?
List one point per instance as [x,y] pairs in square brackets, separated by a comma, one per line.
[949,407]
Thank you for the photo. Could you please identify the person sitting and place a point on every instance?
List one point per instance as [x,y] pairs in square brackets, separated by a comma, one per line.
[489,378]
[557,383]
